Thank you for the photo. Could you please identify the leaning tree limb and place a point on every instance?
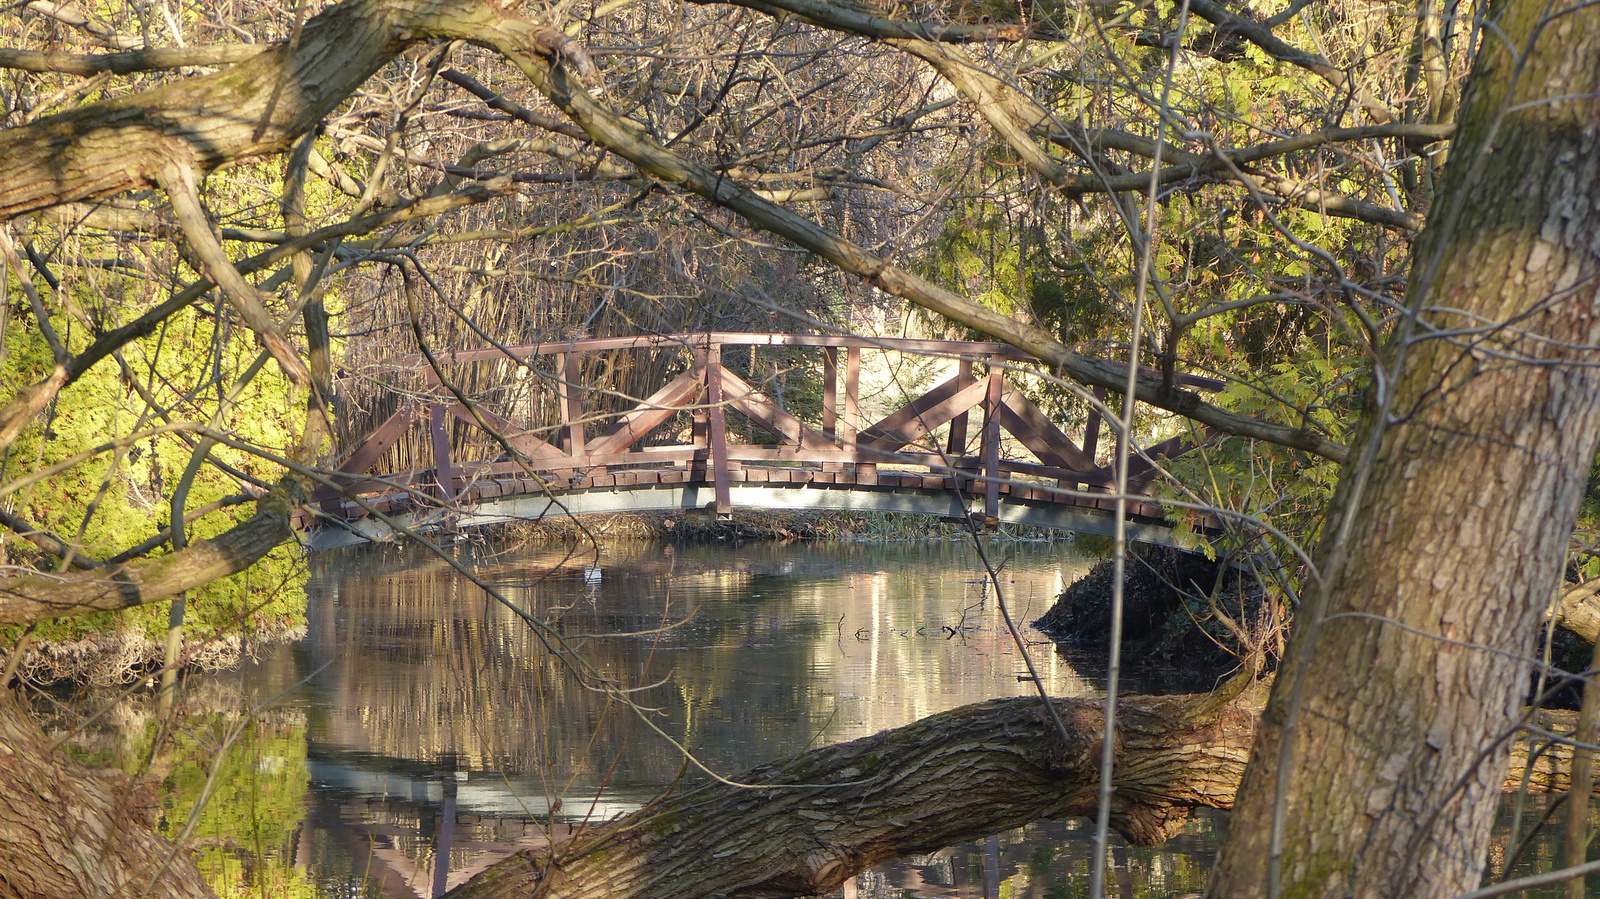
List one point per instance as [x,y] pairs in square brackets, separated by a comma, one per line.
[35,597]
[255,108]
[126,62]
[808,823]
[803,826]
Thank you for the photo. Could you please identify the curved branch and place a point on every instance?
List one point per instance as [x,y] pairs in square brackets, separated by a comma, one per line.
[801,827]
[861,21]
[129,61]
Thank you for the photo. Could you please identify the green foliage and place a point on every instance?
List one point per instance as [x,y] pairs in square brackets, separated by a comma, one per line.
[119,495]
[1285,488]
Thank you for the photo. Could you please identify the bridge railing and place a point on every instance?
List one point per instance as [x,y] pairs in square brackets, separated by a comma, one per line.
[838,449]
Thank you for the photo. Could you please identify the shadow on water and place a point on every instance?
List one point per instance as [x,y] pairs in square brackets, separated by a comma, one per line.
[421,732]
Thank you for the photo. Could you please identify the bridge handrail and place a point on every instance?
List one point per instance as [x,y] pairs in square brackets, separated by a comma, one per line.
[969,349]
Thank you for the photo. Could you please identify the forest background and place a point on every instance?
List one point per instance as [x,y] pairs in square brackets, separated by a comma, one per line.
[222,218]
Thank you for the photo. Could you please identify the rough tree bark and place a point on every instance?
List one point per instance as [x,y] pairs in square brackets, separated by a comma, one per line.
[959,775]
[1459,538]
[67,831]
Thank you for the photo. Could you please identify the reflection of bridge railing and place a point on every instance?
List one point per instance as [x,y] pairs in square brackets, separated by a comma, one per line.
[837,451]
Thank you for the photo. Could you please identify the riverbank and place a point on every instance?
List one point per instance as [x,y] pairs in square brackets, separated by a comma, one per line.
[757,525]
[1180,610]
[125,656]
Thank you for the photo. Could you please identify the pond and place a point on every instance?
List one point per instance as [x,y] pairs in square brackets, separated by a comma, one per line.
[421,731]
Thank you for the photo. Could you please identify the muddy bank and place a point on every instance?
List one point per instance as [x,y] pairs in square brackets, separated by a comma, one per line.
[1179,610]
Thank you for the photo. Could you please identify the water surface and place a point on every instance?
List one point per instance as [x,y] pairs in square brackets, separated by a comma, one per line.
[420,714]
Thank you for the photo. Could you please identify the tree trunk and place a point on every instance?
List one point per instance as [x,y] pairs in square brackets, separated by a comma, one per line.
[66,831]
[1457,542]
[954,777]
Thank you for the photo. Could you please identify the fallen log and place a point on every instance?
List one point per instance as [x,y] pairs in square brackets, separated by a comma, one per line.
[1579,610]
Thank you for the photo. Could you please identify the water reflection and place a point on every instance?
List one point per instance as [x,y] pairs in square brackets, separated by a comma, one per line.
[755,653]
[421,731]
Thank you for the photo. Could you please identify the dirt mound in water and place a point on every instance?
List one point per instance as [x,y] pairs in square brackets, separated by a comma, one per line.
[1167,618]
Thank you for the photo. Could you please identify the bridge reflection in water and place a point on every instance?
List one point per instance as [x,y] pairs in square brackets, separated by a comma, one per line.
[950,451]
[434,719]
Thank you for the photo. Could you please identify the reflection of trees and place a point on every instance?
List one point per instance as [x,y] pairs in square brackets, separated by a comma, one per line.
[250,825]
[1047,860]
[420,666]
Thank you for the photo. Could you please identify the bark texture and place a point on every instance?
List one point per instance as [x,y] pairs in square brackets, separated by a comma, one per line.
[959,775]
[1579,611]
[1460,536]
[66,831]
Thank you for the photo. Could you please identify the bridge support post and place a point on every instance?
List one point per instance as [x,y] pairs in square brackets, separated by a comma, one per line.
[991,444]
[719,432]
[443,471]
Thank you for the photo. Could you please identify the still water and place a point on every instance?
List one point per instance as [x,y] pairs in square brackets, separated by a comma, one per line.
[421,731]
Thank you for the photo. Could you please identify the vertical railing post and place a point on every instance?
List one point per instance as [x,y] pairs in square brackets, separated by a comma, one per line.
[991,444]
[830,390]
[699,416]
[1091,426]
[956,447]
[866,472]
[443,471]
[567,374]
[719,431]
[830,400]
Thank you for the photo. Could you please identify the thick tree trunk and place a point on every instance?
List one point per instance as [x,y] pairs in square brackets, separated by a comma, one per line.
[66,831]
[953,777]
[1458,540]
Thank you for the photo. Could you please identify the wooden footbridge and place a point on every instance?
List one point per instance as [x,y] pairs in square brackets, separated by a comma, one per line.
[560,452]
